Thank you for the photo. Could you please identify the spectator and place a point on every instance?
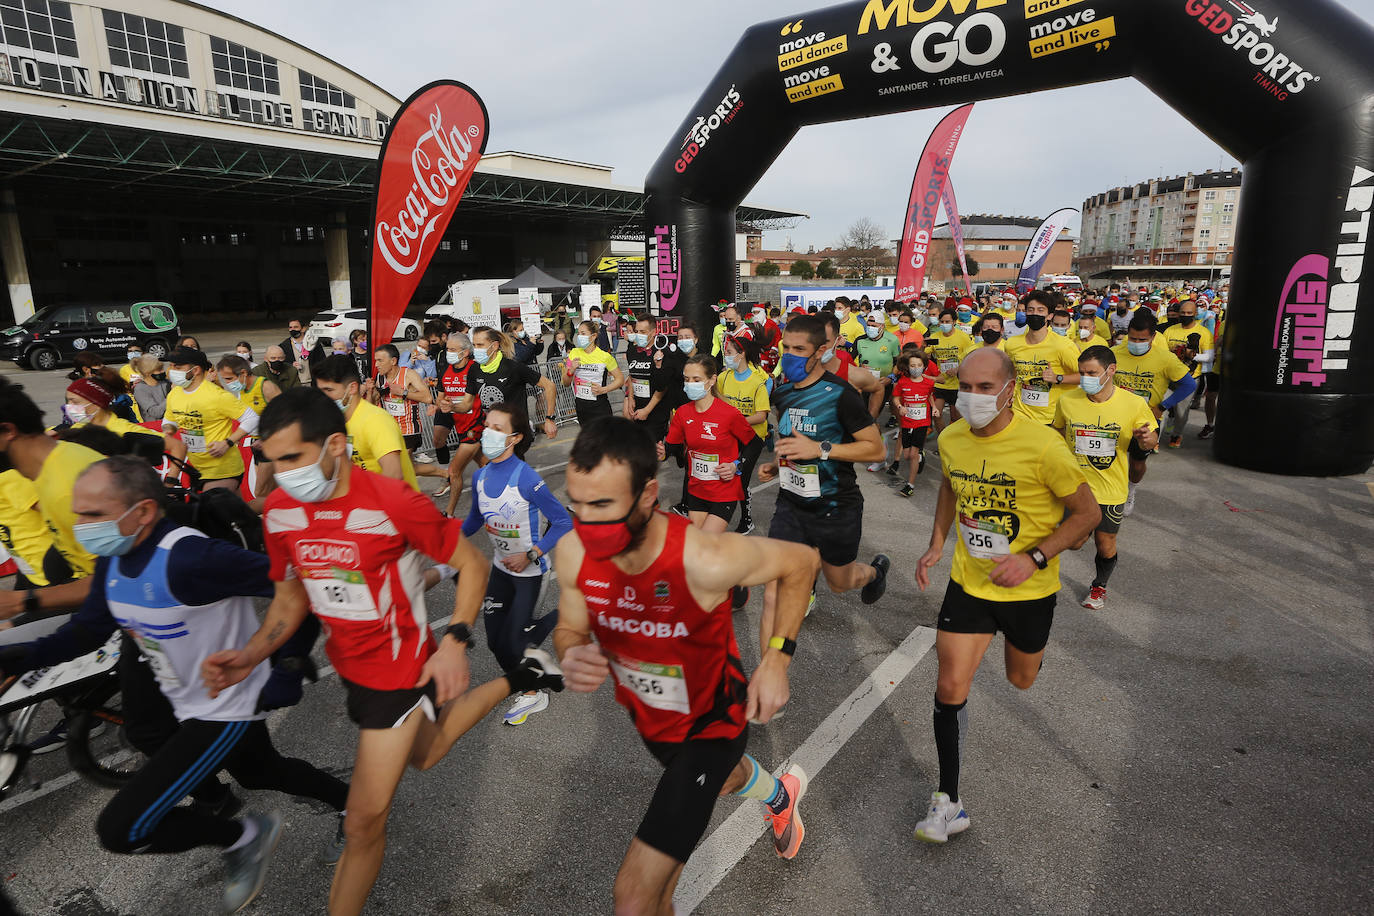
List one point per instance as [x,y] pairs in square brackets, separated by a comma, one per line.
[295,350]
[560,347]
[527,346]
[151,394]
[84,365]
[244,350]
[603,339]
[189,341]
[560,320]
[358,349]
[276,368]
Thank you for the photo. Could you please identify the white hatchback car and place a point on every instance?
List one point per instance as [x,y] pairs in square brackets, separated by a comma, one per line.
[342,322]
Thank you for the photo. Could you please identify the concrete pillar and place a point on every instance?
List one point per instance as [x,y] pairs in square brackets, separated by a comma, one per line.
[12,252]
[336,258]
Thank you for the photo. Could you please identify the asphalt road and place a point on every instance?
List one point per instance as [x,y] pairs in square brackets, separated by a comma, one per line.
[1202,745]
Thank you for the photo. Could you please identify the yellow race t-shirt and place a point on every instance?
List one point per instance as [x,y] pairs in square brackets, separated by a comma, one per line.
[852,328]
[1035,397]
[949,351]
[1093,341]
[373,434]
[206,416]
[54,485]
[1150,375]
[21,525]
[1009,489]
[1098,434]
[748,397]
[253,397]
[593,369]
[1176,336]
[119,426]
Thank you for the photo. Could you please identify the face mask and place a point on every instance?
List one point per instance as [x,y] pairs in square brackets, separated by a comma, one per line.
[694,390]
[1137,347]
[159,376]
[731,325]
[963,314]
[874,332]
[980,409]
[1020,319]
[135,354]
[916,371]
[104,538]
[947,327]
[1035,322]
[74,414]
[991,337]
[235,387]
[494,443]
[296,332]
[686,345]
[276,365]
[1122,309]
[1187,320]
[454,356]
[1062,332]
[308,484]
[179,377]
[583,341]
[842,315]
[731,361]
[603,540]
[1091,384]
[560,341]
[904,325]
[641,340]
[1084,333]
[1090,309]
[479,355]
[343,403]
[794,367]
[361,346]
[828,355]
[419,353]
[247,356]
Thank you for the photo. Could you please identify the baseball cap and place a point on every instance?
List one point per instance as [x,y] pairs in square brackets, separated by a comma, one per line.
[188,356]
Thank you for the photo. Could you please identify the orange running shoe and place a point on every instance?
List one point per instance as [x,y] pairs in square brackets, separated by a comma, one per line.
[788,831]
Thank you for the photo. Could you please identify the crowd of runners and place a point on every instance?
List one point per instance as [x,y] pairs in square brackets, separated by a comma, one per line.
[1042,409]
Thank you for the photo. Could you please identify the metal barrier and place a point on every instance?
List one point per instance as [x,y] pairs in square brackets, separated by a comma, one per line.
[564,403]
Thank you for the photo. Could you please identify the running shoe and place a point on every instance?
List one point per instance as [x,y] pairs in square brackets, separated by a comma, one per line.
[944,819]
[526,705]
[54,740]
[892,469]
[333,850]
[1207,432]
[891,423]
[739,597]
[921,463]
[875,467]
[811,604]
[1175,442]
[788,831]
[874,590]
[443,491]
[424,458]
[536,671]
[225,805]
[245,868]
[1129,506]
[680,509]
[906,490]
[746,525]
[1097,598]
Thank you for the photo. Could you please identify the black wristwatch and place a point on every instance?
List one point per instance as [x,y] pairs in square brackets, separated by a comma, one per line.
[825,451]
[533,555]
[31,601]
[783,644]
[1038,555]
[553,420]
[462,633]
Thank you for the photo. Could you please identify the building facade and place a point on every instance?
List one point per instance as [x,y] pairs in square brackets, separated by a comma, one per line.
[1185,221]
[998,243]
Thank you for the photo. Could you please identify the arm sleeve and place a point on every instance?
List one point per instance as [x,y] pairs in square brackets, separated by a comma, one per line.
[1059,421]
[204,570]
[1182,392]
[853,411]
[675,434]
[533,488]
[248,420]
[528,374]
[278,553]
[741,430]
[473,522]
[86,631]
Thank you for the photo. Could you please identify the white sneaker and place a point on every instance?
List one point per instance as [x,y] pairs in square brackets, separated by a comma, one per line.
[1129,506]
[525,705]
[944,819]
[424,458]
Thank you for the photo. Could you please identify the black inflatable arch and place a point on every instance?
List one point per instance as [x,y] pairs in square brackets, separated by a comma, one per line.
[1285,86]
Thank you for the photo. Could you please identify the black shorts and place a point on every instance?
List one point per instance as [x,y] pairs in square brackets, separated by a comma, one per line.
[950,397]
[915,438]
[412,441]
[369,707]
[1111,518]
[1211,382]
[1133,450]
[694,772]
[835,532]
[1025,624]
[719,510]
[237,481]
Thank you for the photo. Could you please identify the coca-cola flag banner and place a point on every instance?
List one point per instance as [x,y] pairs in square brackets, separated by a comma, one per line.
[1041,244]
[956,231]
[927,189]
[428,158]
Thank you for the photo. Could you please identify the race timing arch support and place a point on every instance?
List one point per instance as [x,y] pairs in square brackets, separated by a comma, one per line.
[1285,86]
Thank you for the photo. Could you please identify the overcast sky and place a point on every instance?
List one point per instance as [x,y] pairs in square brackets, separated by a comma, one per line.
[609,82]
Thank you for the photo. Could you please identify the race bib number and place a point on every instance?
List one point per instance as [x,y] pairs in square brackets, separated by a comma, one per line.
[341,593]
[659,686]
[157,660]
[1093,444]
[642,389]
[1033,397]
[915,411]
[704,466]
[801,479]
[586,377]
[195,441]
[949,366]
[505,541]
[876,373]
[395,406]
[982,539]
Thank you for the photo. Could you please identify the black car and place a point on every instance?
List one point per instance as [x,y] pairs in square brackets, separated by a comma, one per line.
[55,334]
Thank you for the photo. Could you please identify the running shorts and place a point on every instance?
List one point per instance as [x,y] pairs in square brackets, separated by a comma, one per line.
[915,438]
[694,772]
[719,510]
[369,707]
[949,395]
[1111,518]
[1135,452]
[1211,382]
[1025,624]
[835,531]
[413,441]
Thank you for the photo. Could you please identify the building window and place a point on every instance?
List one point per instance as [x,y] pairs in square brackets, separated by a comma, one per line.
[319,92]
[462,244]
[1209,195]
[580,252]
[150,45]
[39,25]
[1228,208]
[1227,219]
[1230,195]
[445,245]
[1204,233]
[238,67]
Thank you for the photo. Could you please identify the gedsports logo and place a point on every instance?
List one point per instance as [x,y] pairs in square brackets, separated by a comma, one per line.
[1246,31]
[699,134]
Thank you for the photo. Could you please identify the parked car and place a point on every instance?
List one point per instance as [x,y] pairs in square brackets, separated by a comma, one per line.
[342,322]
[56,333]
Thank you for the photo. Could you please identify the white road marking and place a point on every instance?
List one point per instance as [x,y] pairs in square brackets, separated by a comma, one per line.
[723,849]
[762,486]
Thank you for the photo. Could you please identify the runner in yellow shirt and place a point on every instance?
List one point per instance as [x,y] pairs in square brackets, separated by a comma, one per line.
[744,386]
[1195,346]
[1104,426]
[947,346]
[593,374]
[374,440]
[851,328]
[1046,363]
[989,332]
[212,421]
[236,377]
[1008,482]
[1211,381]
[1084,333]
[88,401]
[22,531]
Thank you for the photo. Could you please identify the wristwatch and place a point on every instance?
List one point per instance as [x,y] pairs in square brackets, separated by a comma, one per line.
[825,451]
[1038,555]
[551,419]
[533,554]
[462,633]
[1059,379]
[783,644]
[30,601]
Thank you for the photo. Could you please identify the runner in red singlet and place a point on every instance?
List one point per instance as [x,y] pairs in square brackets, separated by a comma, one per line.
[460,411]
[646,596]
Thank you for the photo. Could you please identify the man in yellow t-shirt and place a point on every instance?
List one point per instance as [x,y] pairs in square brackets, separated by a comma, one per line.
[1104,426]
[1046,363]
[374,438]
[1007,484]
[1084,334]
[851,328]
[22,530]
[1195,346]
[211,420]
[948,346]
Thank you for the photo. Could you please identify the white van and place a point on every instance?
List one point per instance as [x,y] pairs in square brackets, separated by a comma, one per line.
[1060,281]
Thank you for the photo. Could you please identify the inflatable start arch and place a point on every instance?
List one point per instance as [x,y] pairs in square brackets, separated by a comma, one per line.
[1285,86]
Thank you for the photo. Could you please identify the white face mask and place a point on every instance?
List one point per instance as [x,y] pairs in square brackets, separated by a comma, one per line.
[874,331]
[179,377]
[980,409]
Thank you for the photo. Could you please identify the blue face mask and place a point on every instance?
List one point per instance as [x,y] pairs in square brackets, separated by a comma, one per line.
[694,390]
[494,443]
[1062,332]
[479,355]
[947,327]
[104,538]
[308,484]
[1138,347]
[686,345]
[794,367]
[1020,319]
[235,387]
[583,341]
[1090,384]
[641,340]
[731,361]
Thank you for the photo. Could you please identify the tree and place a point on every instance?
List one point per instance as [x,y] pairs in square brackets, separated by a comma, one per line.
[768,269]
[863,233]
[802,268]
[826,270]
[957,269]
[864,249]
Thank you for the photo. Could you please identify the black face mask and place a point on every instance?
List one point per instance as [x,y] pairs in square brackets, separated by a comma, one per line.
[159,376]
[276,365]
[296,332]
[1036,322]
[991,336]
[1187,320]
[1122,309]
[731,325]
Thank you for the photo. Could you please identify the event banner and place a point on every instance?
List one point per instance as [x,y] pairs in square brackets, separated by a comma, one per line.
[956,231]
[530,312]
[425,165]
[1041,244]
[927,189]
[589,294]
[805,297]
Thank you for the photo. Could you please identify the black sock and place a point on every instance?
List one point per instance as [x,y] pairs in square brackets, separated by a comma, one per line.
[441,453]
[950,724]
[1105,567]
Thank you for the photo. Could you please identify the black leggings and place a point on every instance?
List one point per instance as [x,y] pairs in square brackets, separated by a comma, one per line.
[748,460]
[587,411]
[507,614]
[143,817]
